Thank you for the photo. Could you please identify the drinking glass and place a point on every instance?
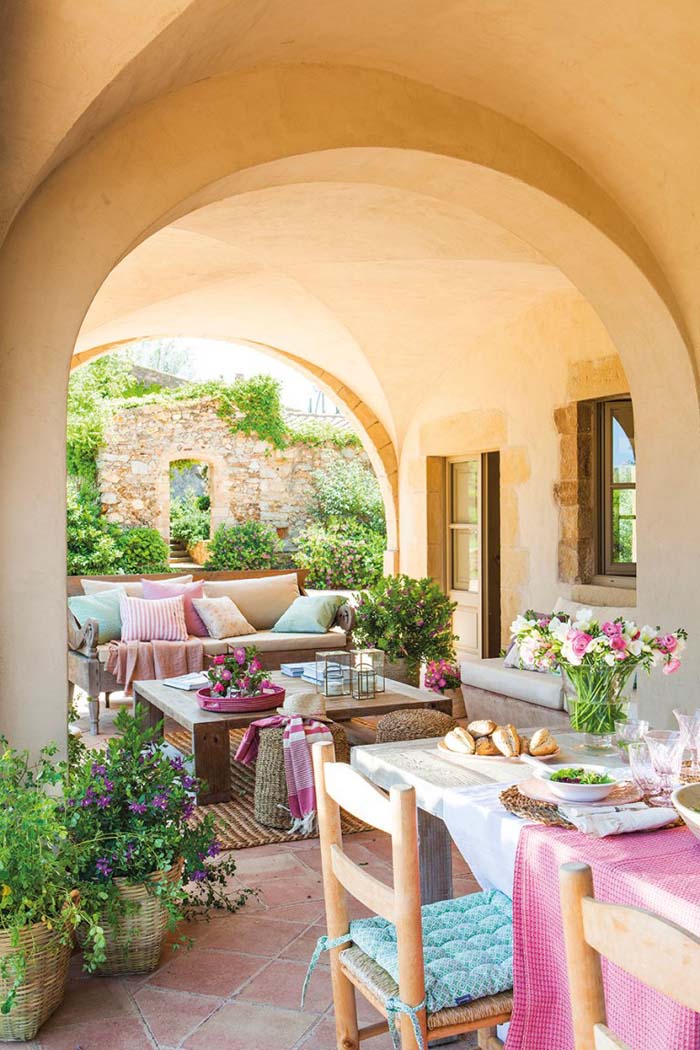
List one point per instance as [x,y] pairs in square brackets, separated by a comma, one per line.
[666,750]
[690,732]
[642,769]
[629,732]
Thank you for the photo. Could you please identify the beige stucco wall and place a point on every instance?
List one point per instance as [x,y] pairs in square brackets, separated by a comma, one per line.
[414,328]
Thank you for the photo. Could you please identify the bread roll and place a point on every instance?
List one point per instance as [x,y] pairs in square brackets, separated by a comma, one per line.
[484,727]
[461,741]
[486,746]
[543,743]
[507,740]
[524,745]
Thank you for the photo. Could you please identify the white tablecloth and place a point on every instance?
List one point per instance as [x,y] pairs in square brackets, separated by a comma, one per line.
[485,834]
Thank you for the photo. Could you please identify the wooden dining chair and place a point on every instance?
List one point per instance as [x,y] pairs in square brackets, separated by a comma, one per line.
[633,939]
[337,784]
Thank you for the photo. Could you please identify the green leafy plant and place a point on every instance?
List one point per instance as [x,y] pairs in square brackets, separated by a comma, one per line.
[347,491]
[93,546]
[340,555]
[189,522]
[142,550]
[317,432]
[252,406]
[130,811]
[406,617]
[248,545]
[37,864]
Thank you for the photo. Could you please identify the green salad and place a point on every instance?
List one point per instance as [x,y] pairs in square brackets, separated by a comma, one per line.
[579,775]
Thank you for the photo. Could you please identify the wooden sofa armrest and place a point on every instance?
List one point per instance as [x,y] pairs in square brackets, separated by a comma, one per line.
[83,639]
[345,618]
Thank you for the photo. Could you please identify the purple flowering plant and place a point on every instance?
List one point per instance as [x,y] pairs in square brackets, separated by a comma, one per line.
[441,675]
[240,673]
[130,810]
[407,618]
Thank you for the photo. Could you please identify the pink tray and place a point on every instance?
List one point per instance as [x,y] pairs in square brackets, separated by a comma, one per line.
[232,705]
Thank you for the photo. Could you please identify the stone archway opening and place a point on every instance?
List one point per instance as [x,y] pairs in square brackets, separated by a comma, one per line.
[189,519]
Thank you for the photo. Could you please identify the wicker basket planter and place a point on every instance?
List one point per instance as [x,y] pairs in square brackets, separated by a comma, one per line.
[44,985]
[135,945]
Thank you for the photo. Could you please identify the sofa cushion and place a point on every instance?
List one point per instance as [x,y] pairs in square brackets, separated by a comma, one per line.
[262,600]
[309,614]
[161,620]
[266,641]
[600,612]
[222,617]
[543,689]
[104,608]
[154,589]
[134,588]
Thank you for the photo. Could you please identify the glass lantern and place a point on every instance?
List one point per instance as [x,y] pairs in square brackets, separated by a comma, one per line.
[333,672]
[367,673]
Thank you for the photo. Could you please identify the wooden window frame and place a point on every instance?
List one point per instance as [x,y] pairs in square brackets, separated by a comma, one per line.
[604,489]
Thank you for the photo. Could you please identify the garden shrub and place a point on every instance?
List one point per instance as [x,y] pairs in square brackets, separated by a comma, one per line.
[339,555]
[189,521]
[93,546]
[143,550]
[248,545]
[346,492]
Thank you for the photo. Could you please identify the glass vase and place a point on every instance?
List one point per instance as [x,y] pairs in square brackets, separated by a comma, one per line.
[595,702]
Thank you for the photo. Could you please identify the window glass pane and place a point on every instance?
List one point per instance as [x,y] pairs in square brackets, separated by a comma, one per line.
[624,525]
[465,560]
[465,492]
[623,463]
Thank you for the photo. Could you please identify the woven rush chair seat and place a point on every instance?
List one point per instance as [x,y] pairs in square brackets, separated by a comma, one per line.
[413,725]
[270,799]
[378,985]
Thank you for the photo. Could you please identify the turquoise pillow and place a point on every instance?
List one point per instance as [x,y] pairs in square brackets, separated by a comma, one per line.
[103,607]
[309,614]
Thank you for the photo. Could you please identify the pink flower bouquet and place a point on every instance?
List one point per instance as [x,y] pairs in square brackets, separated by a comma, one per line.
[239,673]
[441,675]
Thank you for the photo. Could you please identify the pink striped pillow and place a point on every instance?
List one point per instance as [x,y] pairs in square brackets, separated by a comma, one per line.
[144,620]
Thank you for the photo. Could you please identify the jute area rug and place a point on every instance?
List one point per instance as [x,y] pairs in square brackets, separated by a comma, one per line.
[238,828]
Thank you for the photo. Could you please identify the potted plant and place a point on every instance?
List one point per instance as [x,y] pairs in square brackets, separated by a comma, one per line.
[39,908]
[239,683]
[410,619]
[597,660]
[442,676]
[143,860]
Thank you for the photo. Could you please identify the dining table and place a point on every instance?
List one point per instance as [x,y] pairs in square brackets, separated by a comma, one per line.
[458,802]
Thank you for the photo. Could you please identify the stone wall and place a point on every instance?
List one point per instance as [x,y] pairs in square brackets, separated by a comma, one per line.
[247,479]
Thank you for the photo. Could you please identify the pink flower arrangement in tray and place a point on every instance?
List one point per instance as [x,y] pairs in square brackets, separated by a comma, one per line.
[239,673]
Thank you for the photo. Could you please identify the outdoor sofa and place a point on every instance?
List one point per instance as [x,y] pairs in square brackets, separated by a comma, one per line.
[270,591]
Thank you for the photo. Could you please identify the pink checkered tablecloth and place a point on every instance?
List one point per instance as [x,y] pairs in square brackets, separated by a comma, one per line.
[659,871]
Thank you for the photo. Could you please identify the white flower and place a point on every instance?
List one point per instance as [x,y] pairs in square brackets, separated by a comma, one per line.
[648,634]
[559,629]
[584,618]
[609,659]
[519,624]
[636,647]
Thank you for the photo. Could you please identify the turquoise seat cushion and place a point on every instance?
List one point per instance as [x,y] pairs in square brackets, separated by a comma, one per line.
[309,614]
[103,607]
[467,947]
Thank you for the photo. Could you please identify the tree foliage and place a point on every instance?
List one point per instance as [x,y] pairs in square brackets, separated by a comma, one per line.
[248,545]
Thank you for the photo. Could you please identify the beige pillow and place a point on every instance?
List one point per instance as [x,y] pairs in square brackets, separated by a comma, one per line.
[262,600]
[134,588]
[222,617]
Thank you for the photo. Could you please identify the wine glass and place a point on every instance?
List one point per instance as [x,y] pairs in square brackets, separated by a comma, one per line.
[643,773]
[666,750]
[690,732]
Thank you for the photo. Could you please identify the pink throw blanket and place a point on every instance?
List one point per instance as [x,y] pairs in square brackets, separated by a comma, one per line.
[299,734]
[658,871]
[145,661]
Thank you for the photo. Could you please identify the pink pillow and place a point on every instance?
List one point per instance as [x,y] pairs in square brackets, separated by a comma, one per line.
[155,589]
[153,621]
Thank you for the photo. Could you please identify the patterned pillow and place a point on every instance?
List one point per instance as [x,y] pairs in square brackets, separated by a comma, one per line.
[153,590]
[222,617]
[467,945]
[162,620]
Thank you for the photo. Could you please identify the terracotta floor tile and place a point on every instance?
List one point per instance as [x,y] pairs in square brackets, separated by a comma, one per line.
[291,890]
[171,1016]
[92,999]
[253,868]
[207,972]
[301,948]
[253,934]
[124,1033]
[245,1026]
[307,911]
[280,983]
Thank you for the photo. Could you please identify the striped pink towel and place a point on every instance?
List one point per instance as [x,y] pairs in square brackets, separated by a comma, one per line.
[299,734]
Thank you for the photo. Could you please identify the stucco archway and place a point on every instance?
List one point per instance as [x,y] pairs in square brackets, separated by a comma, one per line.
[136,175]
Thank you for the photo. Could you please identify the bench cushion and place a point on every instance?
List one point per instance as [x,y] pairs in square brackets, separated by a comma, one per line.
[261,599]
[543,689]
[266,641]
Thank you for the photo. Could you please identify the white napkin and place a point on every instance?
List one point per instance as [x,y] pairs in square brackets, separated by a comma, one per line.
[600,821]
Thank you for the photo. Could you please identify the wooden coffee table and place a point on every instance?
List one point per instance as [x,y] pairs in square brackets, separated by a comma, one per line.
[210,739]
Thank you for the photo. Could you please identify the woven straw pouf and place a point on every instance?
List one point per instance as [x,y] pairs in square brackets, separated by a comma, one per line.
[413,725]
[271,800]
